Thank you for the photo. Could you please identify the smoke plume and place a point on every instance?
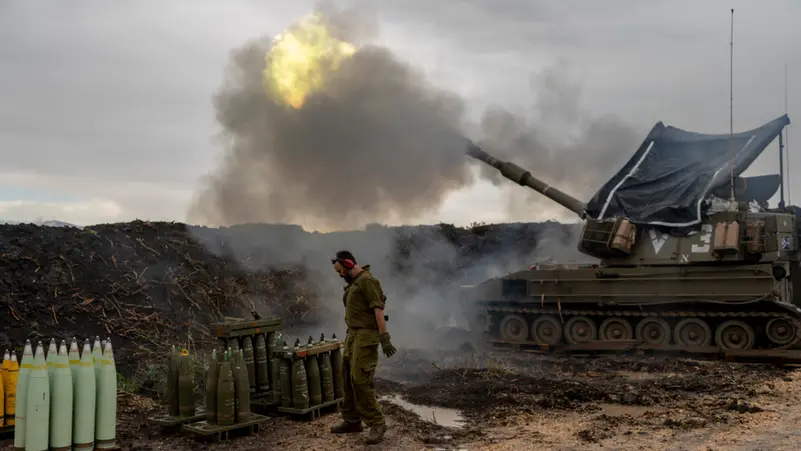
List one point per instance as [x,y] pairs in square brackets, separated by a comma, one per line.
[378,142]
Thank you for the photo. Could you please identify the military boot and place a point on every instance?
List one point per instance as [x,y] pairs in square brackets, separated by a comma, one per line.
[346,427]
[376,434]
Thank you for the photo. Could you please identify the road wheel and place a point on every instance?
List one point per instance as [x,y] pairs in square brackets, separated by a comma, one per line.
[692,332]
[735,334]
[780,331]
[514,328]
[547,330]
[579,329]
[613,329]
[653,331]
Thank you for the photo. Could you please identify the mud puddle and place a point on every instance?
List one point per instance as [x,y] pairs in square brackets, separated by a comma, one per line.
[450,418]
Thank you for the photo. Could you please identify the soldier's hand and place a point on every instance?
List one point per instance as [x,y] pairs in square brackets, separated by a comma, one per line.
[386,345]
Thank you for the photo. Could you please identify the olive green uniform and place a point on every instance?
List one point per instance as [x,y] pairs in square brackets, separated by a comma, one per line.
[360,357]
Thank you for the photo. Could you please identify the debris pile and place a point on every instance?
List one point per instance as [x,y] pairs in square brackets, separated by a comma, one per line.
[146,284]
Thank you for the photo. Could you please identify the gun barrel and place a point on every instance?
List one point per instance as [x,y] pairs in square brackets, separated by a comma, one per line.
[522,177]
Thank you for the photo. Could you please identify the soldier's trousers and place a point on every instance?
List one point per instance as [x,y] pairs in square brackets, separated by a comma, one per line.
[359,361]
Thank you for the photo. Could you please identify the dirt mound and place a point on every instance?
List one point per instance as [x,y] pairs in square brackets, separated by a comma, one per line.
[144,284]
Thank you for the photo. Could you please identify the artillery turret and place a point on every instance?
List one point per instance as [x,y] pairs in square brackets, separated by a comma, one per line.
[686,260]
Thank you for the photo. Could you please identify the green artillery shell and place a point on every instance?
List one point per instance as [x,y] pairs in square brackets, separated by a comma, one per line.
[326,377]
[84,397]
[22,396]
[212,376]
[300,385]
[274,340]
[37,409]
[106,423]
[172,383]
[50,361]
[225,394]
[242,386]
[336,370]
[313,379]
[262,364]
[275,378]
[250,364]
[75,361]
[61,402]
[186,386]
[285,371]
[97,355]
[233,345]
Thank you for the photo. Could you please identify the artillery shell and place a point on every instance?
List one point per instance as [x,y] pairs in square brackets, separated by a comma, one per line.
[300,385]
[262,364]
[233,345]
[225,394]
[275,378]
[75,361]
[97,356]
[84,402]
[250,364]
[106,424]
[10,378]
[274,340]
[61,402]
[37,407]
[186,386]
[3,371]
[242,387]
[172,383]
[212,376]
[326,377]
[336,370]
[22,396]
[50,361]
[313,380]
[285,371]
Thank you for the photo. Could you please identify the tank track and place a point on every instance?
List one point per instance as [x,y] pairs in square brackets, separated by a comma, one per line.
[531,315]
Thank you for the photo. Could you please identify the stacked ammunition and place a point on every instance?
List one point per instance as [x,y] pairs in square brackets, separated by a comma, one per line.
[310,375]
[257,339]
[63,400]
[227,388]
[180,384]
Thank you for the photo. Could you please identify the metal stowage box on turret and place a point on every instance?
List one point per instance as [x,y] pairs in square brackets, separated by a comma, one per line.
[689,255]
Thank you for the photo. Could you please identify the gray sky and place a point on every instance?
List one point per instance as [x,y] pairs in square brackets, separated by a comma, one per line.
[106,114]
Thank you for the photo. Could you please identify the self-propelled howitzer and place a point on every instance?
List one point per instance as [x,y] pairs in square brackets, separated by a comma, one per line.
[685,261]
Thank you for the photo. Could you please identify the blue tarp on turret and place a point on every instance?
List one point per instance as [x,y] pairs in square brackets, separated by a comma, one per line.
[674,170]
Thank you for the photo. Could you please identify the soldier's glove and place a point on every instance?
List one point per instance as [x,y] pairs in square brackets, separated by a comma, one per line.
[386,345]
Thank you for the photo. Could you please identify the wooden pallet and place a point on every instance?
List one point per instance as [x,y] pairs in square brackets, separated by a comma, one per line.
[172,422]
[312,413]
[216,432]
[6,431]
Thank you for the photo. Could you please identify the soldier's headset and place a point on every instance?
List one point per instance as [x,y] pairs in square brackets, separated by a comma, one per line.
[346,262]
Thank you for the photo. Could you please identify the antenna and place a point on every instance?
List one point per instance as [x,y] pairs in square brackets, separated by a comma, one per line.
[731,108]
[787,139]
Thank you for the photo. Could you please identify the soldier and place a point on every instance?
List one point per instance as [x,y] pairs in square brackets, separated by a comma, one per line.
[364,315]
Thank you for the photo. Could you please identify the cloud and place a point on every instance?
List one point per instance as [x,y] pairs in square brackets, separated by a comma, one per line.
[121,94]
